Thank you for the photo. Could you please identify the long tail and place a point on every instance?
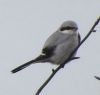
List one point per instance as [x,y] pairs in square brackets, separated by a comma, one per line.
[22,66]
[41,58]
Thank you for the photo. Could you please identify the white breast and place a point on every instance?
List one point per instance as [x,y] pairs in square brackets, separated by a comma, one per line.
[64,49]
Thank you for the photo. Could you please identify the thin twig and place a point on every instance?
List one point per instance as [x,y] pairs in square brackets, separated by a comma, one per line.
[69,59]
[50,77]
[98,78]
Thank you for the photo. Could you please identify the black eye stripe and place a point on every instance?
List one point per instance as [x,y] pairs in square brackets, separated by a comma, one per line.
[67,28]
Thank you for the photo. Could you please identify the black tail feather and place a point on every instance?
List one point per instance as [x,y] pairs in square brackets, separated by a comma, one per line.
[22,66]
[41,58]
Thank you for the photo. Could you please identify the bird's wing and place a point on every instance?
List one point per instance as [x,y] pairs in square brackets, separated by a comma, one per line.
[79,38]
[48,51]
[52,42]
[55,39]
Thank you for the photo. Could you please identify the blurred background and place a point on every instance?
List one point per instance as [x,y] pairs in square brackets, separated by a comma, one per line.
[24,27]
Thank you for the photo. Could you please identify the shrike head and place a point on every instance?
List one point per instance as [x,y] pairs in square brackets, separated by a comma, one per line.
[69,25]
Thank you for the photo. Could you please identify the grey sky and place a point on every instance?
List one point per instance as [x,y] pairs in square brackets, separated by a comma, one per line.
[25,25]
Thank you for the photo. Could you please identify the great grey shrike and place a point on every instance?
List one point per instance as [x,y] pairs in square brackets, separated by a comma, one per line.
[58,46]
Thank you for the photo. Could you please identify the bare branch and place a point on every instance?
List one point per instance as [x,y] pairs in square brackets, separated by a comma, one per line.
[50,77]
[69,59]
[97,77]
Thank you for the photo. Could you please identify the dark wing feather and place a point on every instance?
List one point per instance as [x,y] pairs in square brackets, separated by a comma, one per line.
[48,51]
[79,38]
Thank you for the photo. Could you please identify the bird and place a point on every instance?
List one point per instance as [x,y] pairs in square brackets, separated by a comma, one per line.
[58,46]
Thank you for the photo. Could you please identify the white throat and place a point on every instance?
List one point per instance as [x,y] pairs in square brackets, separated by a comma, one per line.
[67,32]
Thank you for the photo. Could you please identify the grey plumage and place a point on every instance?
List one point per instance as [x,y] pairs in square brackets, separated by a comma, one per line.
[58,46]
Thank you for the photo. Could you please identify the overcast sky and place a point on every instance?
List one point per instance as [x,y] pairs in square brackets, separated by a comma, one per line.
[24,27]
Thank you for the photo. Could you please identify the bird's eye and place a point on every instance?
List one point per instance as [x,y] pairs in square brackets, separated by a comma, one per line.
[67,28]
